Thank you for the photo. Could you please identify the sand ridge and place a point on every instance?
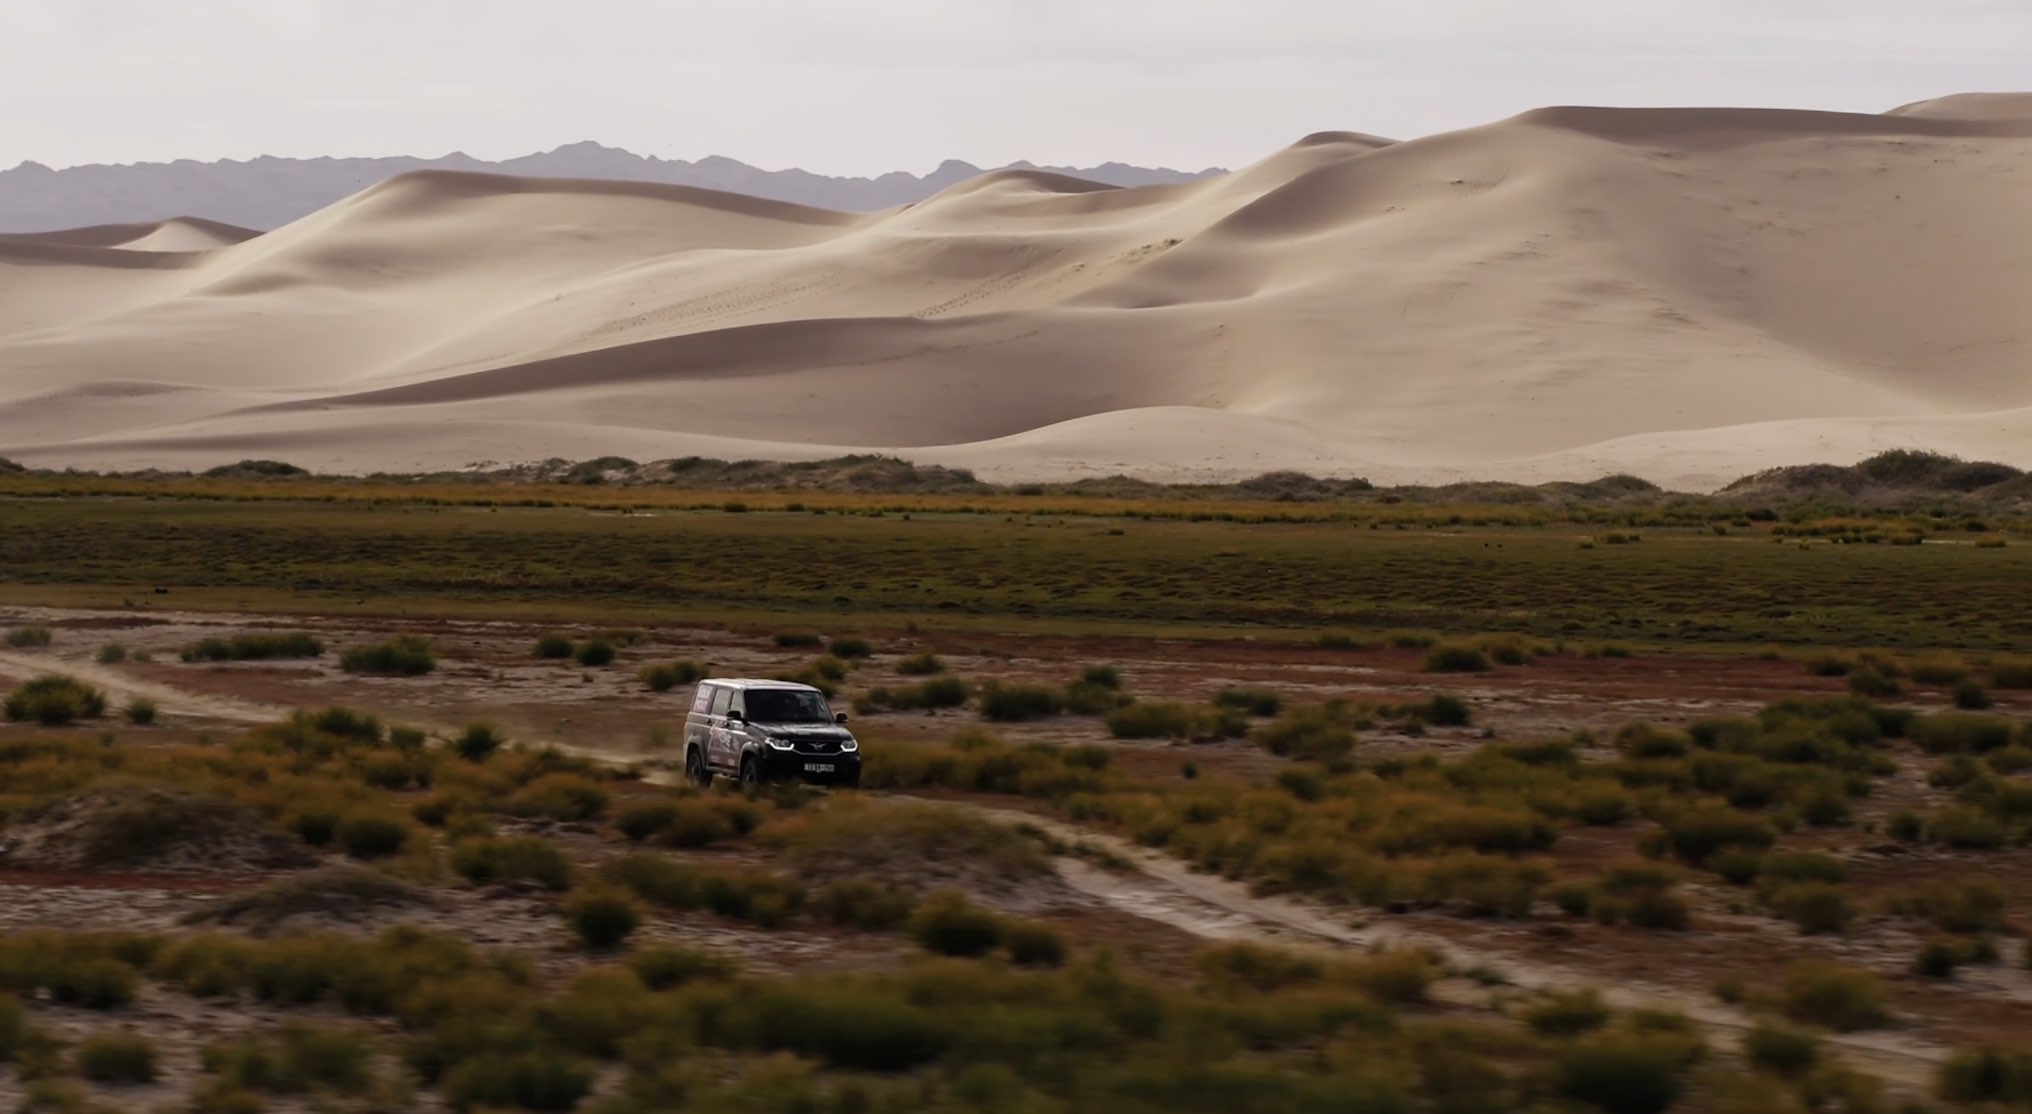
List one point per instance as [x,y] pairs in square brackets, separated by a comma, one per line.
[1685,294]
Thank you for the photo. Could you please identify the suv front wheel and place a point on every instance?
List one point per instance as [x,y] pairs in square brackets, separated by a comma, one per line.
[751,772]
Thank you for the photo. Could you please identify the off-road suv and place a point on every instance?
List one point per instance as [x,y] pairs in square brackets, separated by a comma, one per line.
[761,731]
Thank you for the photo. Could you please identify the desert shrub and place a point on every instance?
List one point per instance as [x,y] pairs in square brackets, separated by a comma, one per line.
[1255,701]
[405,655]
[1986,1075]
[939,692]
[554,646]
[601,918]
[1959,733]
[920,665]
[256,646]
[1967,828]
[1781,1050]
[641,820]
[13,1026]
[112,653]
[489,860]
[534,1080]
[140,711]
[1456,657]
[1972,696]
[1815,907]
[1870,684]
[1155,720]
[53,700]
[1322,733]
[561,796]
[1623,1074]
[1833,996]
[1445,710]
[369,836]
[797,641]
[1398,977]
[949,924]
[1567,1013]
[293,1060]
[1102,676]
[1259,968]
[697,822]
[664,676]
[850,649]
[865,903]
[2011,672]
[1339,640]
[1937,959]
[117,1058]
[1033,945]
[477,742]
[594,652]
[1938,669]
[30,638]
[1696,834]
[763,899]
[661,968]
[1954,906]
[1019,703]
[1084,698]
[1411,639]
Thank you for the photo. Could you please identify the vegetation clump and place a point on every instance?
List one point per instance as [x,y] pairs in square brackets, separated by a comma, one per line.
[256,646]
[405,655]
[54,700]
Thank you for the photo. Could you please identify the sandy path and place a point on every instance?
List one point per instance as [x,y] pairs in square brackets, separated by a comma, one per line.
[120,688]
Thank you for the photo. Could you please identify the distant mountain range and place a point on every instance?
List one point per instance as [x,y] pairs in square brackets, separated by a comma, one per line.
[268,192]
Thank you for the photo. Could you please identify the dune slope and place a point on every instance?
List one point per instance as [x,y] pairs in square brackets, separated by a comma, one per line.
[1689,295]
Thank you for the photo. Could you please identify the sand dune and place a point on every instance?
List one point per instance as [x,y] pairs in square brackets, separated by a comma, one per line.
[1686,294]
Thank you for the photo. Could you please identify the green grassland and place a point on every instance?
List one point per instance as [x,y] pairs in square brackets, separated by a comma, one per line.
[1073,574]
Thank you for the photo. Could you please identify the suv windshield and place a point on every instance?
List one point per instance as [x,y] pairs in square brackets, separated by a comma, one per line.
[787,706]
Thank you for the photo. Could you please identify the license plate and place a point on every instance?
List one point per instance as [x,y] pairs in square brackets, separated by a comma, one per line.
[818,767]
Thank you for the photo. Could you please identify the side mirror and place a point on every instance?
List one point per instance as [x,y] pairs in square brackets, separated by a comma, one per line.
[737,717]
[839,717]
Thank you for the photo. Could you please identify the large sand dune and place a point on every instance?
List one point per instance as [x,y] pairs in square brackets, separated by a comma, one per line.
[1684,294]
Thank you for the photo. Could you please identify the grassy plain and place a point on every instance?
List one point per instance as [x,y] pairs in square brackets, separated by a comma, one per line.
[1683,586]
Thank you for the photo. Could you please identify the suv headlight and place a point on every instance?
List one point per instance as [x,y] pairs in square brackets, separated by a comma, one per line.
[848,745]
[776,743]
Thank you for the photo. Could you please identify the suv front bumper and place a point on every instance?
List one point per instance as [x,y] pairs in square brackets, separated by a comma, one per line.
[819,769]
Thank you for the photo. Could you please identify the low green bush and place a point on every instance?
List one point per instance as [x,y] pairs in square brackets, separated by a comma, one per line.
[594,653]
[120,1057]
[1987,1075]
[939,692]
[1019,703]
[1033,945]
[562,796]
[478,742]
[602,918]
[668,966]
[1567,1013]
[405,655]
[1323,733]
[1253,700]
[294,1060]
[1781,1050]
[664,676]
[850,649]
[486,861]
[2011,672]
[797,641]
[1830,995]
[112,653]
[1966,906]
[920,665]
[949,924]
[1971,696]
[54,700]
[30,638]
[371,836]
[140,711]
[865,904]
[1455,657]
[1619,1074]
[532,1080]
[554,646]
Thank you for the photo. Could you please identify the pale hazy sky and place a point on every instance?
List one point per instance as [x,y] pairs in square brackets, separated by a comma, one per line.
[862,86]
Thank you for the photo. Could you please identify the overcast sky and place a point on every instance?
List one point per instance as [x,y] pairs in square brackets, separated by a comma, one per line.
[863,86]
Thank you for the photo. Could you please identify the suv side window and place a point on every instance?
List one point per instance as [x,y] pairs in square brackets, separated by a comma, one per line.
[703,700]
[740,705]
[721,698]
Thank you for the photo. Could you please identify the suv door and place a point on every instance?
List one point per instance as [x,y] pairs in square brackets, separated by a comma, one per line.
[716,736]
[698,723]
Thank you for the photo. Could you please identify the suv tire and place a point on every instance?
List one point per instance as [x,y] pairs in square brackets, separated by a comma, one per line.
[695,767]
[751,773]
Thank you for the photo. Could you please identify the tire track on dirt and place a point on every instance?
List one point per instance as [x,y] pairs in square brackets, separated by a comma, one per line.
[120,686]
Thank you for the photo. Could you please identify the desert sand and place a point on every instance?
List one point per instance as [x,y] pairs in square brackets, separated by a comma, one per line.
[1683,294]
